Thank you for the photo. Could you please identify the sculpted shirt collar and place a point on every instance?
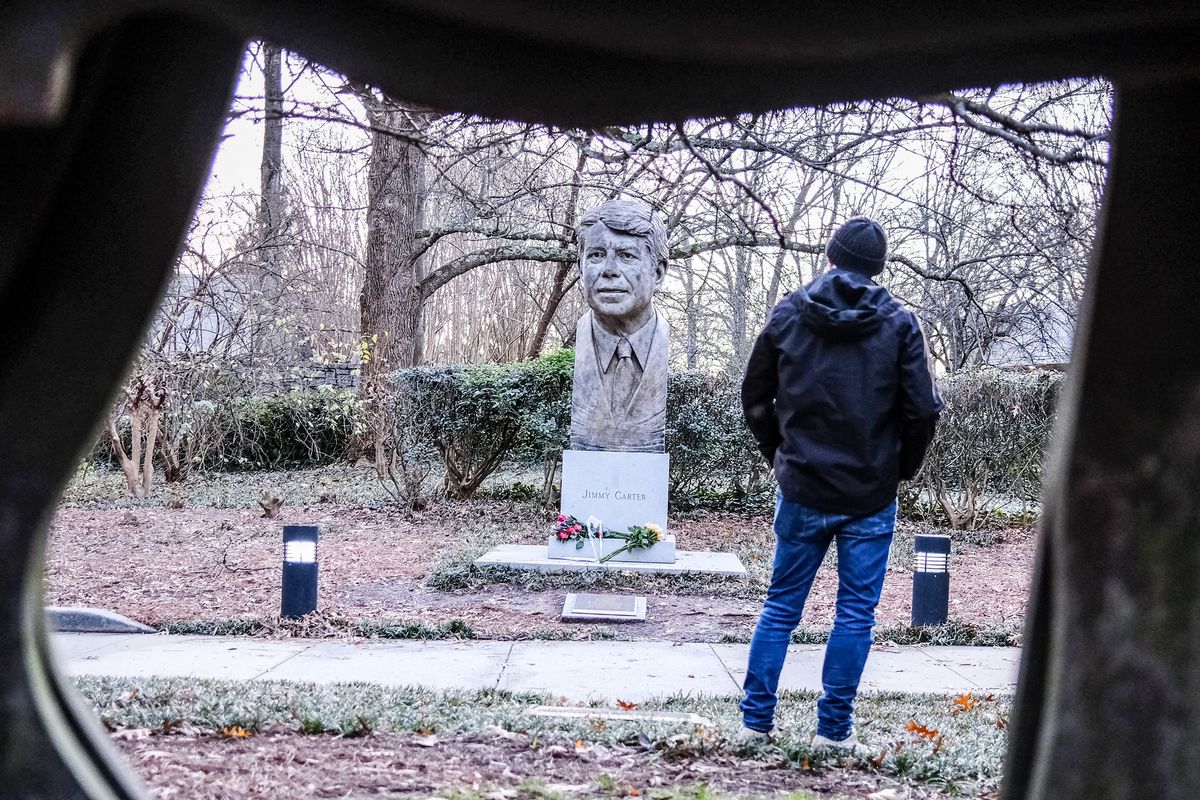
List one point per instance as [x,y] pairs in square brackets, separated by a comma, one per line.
[640,340]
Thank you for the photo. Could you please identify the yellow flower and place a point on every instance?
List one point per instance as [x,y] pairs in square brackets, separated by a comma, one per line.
[656,530]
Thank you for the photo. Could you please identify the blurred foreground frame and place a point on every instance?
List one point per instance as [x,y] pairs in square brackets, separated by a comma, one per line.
[109,114]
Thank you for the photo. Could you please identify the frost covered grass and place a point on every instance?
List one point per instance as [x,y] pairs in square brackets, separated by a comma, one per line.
[323,625]
[954,743]
[952,633]
[343,483]
[609,787]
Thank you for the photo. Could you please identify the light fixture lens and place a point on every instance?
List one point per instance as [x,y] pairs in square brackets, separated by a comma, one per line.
[300,551]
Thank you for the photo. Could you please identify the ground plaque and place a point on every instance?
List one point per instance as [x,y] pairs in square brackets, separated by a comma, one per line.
[604,608]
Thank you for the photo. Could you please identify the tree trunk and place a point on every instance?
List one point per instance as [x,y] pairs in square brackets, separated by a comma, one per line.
[559,287]
[739,299]
[128,465]
[152,415]
[391,300]
[270,210]
[1108,704]
[558,291]
[691,347]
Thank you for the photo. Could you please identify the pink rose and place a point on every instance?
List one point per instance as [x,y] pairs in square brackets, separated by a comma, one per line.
[562,517]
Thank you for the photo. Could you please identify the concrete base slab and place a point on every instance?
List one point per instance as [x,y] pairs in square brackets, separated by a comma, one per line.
[616,670]
[183,656]
[92,620]
[533,557]
[439,665]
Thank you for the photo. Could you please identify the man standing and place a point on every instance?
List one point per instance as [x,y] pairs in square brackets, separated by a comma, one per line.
[839,395]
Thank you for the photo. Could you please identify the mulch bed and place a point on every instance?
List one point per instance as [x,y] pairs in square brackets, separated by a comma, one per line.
[290,766]
[158,564]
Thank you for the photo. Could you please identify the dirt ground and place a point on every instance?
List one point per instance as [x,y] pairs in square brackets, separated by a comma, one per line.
[160,565]
[493,767]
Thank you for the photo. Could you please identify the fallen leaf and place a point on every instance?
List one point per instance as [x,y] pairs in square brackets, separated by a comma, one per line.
[236,732]
[965,702]
[923,731]
[626,706]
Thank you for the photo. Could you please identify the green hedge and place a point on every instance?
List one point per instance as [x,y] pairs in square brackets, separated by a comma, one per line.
[990,444]
[481,416]
[991,440]
[714,459]
[478,416]
[297,429]
[292,430]
[470,419]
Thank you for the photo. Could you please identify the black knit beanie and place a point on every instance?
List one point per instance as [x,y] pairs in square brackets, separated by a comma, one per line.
[859,245]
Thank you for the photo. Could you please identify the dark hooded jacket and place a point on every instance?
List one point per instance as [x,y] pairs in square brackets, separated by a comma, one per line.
[839,394]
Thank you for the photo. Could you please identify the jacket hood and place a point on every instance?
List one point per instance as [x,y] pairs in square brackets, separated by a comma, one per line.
[842,305]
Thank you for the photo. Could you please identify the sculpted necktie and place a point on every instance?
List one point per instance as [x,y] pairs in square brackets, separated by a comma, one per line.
[624,378]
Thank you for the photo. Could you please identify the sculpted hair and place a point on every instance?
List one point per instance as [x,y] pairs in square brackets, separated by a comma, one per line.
[631,217]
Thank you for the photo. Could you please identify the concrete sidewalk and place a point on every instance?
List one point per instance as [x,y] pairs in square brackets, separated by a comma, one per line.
[578,671]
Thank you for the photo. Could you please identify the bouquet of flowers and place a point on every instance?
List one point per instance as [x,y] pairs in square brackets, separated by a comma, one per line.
[637,536]
[568,528]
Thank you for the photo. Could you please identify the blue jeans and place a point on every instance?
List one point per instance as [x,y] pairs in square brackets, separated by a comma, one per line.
[802,535]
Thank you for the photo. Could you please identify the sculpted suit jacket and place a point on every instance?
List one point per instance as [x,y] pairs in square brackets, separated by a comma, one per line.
[595,425]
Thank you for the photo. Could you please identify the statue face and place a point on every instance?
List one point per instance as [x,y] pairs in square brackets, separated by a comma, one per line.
[619,277]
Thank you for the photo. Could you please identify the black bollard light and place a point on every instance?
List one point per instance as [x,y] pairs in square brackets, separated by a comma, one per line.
[931,580]
[299,570]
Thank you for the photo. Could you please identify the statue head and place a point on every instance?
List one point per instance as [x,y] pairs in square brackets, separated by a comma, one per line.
[623,260]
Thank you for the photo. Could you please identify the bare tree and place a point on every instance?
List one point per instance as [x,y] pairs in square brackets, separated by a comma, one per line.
[271,169]
[392,298]
[991,197]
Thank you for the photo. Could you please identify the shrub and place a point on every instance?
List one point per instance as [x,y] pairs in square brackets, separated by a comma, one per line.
[218,429]
[991,441]
[477,415]
[296,429]
[713,455]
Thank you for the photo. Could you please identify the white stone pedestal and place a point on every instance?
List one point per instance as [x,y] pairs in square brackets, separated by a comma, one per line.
[661,553]
[619,489]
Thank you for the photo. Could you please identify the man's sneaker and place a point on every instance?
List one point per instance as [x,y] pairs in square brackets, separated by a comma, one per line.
[749,736]
[850,744]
